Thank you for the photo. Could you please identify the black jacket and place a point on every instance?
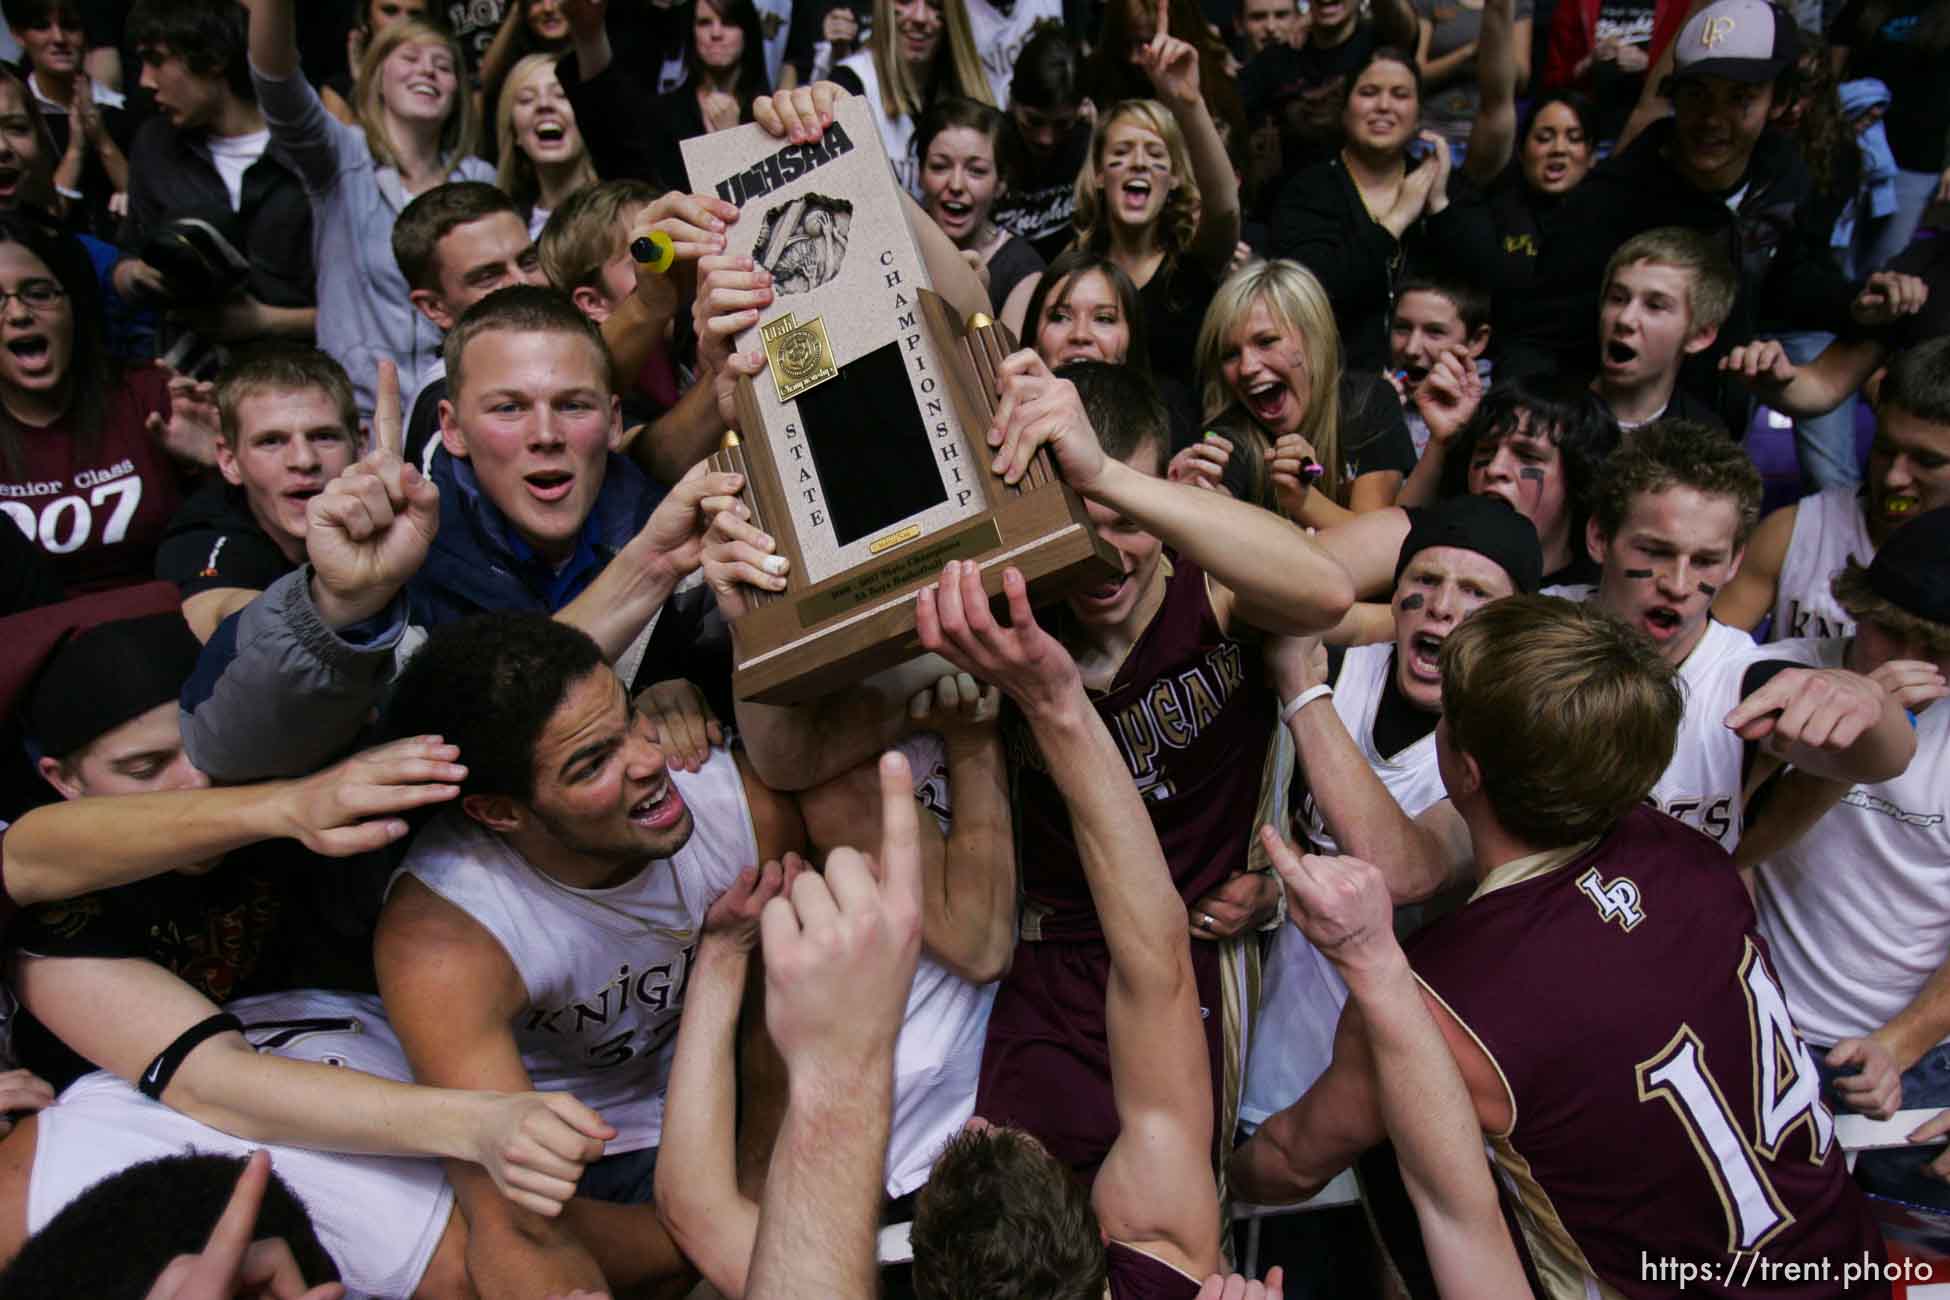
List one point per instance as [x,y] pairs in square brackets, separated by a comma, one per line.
[1321,223]
[1788,277]
[169,177]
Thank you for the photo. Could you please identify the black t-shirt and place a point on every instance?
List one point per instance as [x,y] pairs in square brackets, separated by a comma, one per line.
[1174,302]
[1303,90]
[1042,196]
[1918,120]
[214,541]
[219,933]
[1374,432]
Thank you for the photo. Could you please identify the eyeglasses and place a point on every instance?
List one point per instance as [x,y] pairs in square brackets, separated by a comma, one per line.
[35,295]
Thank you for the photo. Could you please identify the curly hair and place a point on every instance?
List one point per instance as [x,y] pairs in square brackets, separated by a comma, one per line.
[1179,220]
[1570,714]
[1564,411]
[1002,1219]
[1863,604]
[490,684]
[1678,453]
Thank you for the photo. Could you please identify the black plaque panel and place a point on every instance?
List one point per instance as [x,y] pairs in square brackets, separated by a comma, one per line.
[869,447]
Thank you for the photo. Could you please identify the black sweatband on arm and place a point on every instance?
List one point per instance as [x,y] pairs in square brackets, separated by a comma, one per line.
[161,1070]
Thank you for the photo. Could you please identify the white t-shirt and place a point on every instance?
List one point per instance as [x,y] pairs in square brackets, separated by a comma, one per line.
[1857,911]
[1000,35]
[604,969]
[1830,529]
[232,156]
[896,133]
[1302,997]
[379,1217]
[938,1056]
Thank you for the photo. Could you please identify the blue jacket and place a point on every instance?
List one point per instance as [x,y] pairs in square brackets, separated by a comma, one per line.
[277,693]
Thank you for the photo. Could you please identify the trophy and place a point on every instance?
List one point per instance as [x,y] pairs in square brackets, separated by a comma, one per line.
[864,447]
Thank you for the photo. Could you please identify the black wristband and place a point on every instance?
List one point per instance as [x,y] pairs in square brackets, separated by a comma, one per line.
[164,1067]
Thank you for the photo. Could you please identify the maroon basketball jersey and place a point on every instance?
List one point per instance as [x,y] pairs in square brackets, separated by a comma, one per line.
[1666,1110]
[1193,716]
[1135,1274]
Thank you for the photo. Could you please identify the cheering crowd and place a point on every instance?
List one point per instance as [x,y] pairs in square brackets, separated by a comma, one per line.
[1491,822]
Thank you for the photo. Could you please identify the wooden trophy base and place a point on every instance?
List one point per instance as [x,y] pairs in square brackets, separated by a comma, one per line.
[815,638]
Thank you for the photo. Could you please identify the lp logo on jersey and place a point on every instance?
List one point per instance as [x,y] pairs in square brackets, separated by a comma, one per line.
[1616,900]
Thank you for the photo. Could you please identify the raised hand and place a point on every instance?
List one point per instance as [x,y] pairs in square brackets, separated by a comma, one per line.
[840,949]
[956,707]
[232,1262]
[1292,470]
[1762,366]
[799,114]
[738,555]
[681,722]
[734,917]
[191,431]
[1341,904]
[1031,666]
[1203,464]
[674,534]
[1295,663]
[370,529]
[350,807]
[1888,296]
[1448,396]
[535,1145]
[1037,410]
[1170,63]
[731,294]
[695,224]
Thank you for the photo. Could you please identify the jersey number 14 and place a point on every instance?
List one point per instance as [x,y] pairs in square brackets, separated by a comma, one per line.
[1787,1094]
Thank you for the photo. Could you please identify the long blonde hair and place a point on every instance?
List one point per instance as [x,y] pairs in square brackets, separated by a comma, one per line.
[1300,304]
[1178,222]
[461,133]
[900,94]
[515,175]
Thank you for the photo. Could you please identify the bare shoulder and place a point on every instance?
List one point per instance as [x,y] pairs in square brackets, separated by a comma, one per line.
[427,946]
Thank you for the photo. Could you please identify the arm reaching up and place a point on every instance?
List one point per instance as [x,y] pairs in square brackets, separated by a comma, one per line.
[1342,905]
[839,960]
[1155,1189]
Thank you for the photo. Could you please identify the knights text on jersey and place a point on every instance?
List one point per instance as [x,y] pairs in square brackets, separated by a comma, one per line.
[1665,1107]
[605,969]
[1830,529]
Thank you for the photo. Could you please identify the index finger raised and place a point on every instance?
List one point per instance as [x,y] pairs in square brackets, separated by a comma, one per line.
[388,429]
[900,833]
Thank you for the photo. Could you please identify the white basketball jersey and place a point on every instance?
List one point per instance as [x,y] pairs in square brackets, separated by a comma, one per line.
[1702,785]
[1000,31]
[896,133]
[1857,911]
[379,1217]
[938,1056]
[605,969]
[1301,994]
[1829,531]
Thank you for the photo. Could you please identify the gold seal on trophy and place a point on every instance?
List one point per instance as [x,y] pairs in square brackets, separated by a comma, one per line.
[798,353]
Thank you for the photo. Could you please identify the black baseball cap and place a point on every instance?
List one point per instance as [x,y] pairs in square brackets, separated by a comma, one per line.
[1911,569]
